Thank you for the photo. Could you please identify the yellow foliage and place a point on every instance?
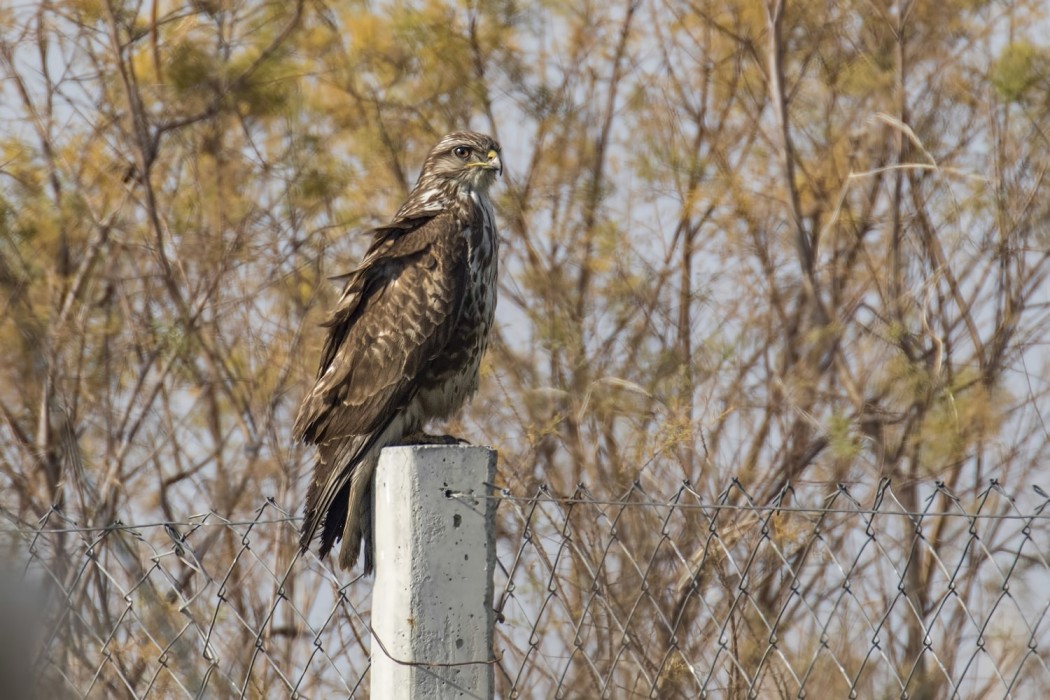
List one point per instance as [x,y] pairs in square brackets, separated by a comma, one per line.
[1020,68]
[864,76]
[961,420]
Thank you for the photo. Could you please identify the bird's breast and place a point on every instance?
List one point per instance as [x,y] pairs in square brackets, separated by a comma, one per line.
[453,376]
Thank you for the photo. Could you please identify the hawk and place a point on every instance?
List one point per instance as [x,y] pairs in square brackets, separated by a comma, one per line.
[405,339]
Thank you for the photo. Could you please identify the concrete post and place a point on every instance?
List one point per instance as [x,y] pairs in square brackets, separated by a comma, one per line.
[435,554]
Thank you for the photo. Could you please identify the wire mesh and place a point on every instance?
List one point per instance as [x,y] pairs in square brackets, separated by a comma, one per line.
[637,595]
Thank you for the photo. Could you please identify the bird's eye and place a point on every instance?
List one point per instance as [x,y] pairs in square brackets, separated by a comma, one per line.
[461,152]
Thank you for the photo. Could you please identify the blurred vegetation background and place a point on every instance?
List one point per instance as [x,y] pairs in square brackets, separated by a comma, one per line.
[792,242]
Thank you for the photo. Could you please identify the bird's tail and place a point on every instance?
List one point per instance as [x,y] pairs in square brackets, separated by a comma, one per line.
[339,500]
[327,499]
[357,527]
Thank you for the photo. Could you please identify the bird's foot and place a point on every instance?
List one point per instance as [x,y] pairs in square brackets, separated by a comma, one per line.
[421,438]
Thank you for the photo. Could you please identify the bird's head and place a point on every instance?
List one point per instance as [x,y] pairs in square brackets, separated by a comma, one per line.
[466,158]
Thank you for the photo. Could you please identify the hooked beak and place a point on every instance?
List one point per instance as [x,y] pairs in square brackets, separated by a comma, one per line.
[494,162]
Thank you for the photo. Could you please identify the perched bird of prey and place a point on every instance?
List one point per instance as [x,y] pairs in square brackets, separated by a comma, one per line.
[405,339]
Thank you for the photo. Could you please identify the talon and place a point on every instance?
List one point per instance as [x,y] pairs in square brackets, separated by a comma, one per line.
[421,438]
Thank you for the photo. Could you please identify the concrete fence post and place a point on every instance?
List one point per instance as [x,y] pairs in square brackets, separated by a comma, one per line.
[435,549]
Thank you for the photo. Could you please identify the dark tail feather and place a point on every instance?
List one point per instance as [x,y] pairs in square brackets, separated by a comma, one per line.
[328,500]
[329,521]
[367,523]
[327,497]
[357,525]
[334,519]
[357,535]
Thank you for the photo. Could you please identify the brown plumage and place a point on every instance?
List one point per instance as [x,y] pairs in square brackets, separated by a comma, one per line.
[404,340]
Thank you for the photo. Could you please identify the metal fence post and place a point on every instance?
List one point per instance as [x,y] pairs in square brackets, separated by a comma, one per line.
[435,548]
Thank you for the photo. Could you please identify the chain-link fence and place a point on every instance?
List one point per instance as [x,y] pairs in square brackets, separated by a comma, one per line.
[889,591]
